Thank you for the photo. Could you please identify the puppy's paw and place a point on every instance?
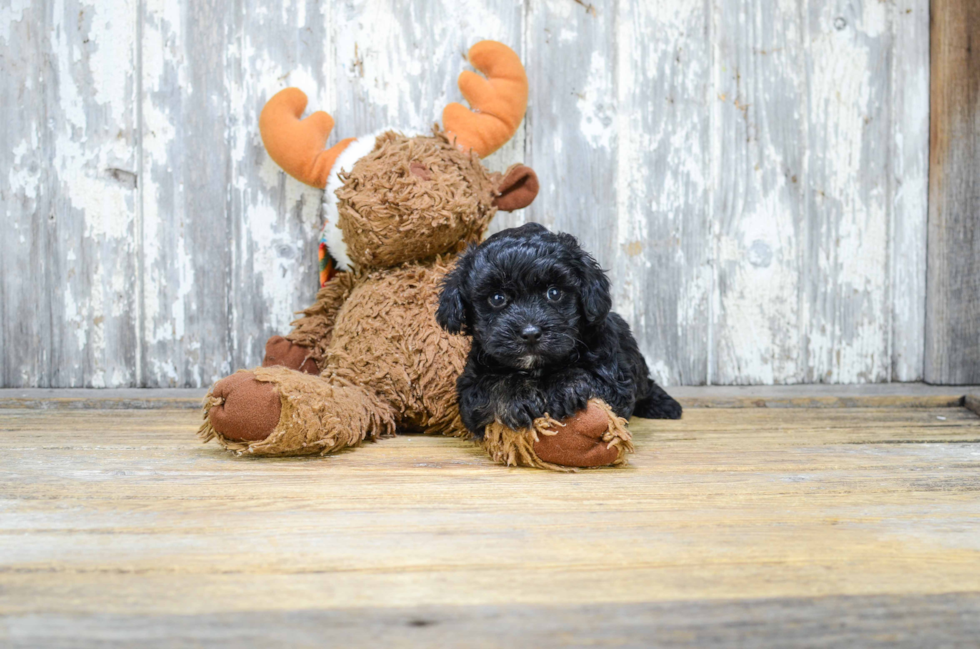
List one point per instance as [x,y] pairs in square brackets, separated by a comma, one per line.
[658,406]
[569,400]
[672,409]
[516,419]
[521,412]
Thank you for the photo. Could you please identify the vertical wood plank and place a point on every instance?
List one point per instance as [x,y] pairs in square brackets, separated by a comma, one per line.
[187,216]
[845,261]
[953,305]
[759,325]
[758,202]
[70,193]
[571,122]
[909,186]
[275,219]
[650,222]
[240,256]
[25,91]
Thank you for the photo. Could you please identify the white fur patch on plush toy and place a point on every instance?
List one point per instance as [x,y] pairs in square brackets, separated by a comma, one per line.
[331,233]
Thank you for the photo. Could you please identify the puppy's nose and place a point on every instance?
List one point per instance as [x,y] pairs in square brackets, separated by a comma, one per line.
[531,333]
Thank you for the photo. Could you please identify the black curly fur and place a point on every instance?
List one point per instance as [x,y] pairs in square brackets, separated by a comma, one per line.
[582,351]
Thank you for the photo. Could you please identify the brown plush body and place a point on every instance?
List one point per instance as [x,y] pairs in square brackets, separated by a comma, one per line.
[368,359]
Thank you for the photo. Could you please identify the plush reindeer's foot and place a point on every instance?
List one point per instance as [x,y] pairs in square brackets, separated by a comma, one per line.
[278,411]
[584,441]
[243,409]
[285,353]
[593,437]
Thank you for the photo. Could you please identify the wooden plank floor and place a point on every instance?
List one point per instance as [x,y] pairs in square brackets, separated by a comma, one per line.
[757,526]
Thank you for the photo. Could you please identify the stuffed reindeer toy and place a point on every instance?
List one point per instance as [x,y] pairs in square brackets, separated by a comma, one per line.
[368,358]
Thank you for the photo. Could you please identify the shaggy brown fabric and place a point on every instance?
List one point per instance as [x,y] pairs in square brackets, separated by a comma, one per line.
[386,338]
[390,215]
[281,352]
[315,329]
[318,415]
[593,438]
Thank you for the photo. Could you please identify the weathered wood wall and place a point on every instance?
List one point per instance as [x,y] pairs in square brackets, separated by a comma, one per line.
[953,306]
[753,173]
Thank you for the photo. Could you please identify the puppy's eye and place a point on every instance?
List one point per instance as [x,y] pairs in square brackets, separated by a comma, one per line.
[497,300]
[554,294]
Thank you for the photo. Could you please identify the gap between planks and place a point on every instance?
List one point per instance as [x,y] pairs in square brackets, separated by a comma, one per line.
[882,395]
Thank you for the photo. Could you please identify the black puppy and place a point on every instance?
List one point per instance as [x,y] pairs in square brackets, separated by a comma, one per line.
[544,340]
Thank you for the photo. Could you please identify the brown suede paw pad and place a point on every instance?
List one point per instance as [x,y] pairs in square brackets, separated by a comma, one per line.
[594,437]
[282,352]
[244,409]
[579,443]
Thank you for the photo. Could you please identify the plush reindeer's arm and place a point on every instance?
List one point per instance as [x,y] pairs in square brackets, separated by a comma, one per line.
[315,328]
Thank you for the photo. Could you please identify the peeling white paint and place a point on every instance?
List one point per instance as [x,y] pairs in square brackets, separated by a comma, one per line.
[849,343]
[735,188]
[12,12]
[21,179]
[109,50]
[595,104]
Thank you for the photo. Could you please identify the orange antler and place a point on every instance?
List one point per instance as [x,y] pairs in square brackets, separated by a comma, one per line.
[498,101]
[297,145]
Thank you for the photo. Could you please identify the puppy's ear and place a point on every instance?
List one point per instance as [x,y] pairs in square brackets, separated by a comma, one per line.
[594,291]
[596,299]
[452,314]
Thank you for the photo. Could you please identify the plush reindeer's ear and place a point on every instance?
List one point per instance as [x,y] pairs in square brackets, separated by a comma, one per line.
[517,189]
[594,291]
[453,312]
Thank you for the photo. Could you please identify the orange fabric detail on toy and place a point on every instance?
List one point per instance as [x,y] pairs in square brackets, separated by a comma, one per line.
[297,145]
[499,100]
[327,265]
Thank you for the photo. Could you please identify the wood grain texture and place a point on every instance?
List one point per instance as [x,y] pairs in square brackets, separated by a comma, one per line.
[948,620]
[571,127]
[752,174]
[759,152]
[845,238]
[68,192]
[187,172]
[908,186]
[953,299]
[118,517]
[661,258]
